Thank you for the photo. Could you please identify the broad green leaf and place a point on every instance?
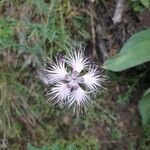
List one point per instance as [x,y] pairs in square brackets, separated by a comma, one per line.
[135,52]
[146,3]
[144,107]
[30,147]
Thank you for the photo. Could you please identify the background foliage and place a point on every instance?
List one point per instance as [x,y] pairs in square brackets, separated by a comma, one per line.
[33,29]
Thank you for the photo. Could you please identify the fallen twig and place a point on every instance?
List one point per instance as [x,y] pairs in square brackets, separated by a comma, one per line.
[101,42]
[118,11]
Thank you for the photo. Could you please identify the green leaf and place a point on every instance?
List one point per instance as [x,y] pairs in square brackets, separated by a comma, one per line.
[144,108]
[135,52]
[146,3]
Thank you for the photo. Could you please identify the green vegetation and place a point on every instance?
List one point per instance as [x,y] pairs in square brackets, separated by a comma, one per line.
[32,30]
[144,107]
[140,5]
[134,52]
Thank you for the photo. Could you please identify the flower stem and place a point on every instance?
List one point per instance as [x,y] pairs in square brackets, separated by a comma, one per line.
[105,111]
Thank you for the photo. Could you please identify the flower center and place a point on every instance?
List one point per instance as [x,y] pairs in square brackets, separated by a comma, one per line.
[72,80]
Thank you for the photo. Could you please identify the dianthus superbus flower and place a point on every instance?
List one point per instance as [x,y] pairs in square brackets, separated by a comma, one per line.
[73,80]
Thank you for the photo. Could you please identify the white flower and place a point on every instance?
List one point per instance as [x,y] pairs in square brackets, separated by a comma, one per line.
[56,72]
[78,97]
[76,61]
[59,93]
[73,81]
[91,79]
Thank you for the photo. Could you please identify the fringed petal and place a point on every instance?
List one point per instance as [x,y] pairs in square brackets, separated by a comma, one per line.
[77,61]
